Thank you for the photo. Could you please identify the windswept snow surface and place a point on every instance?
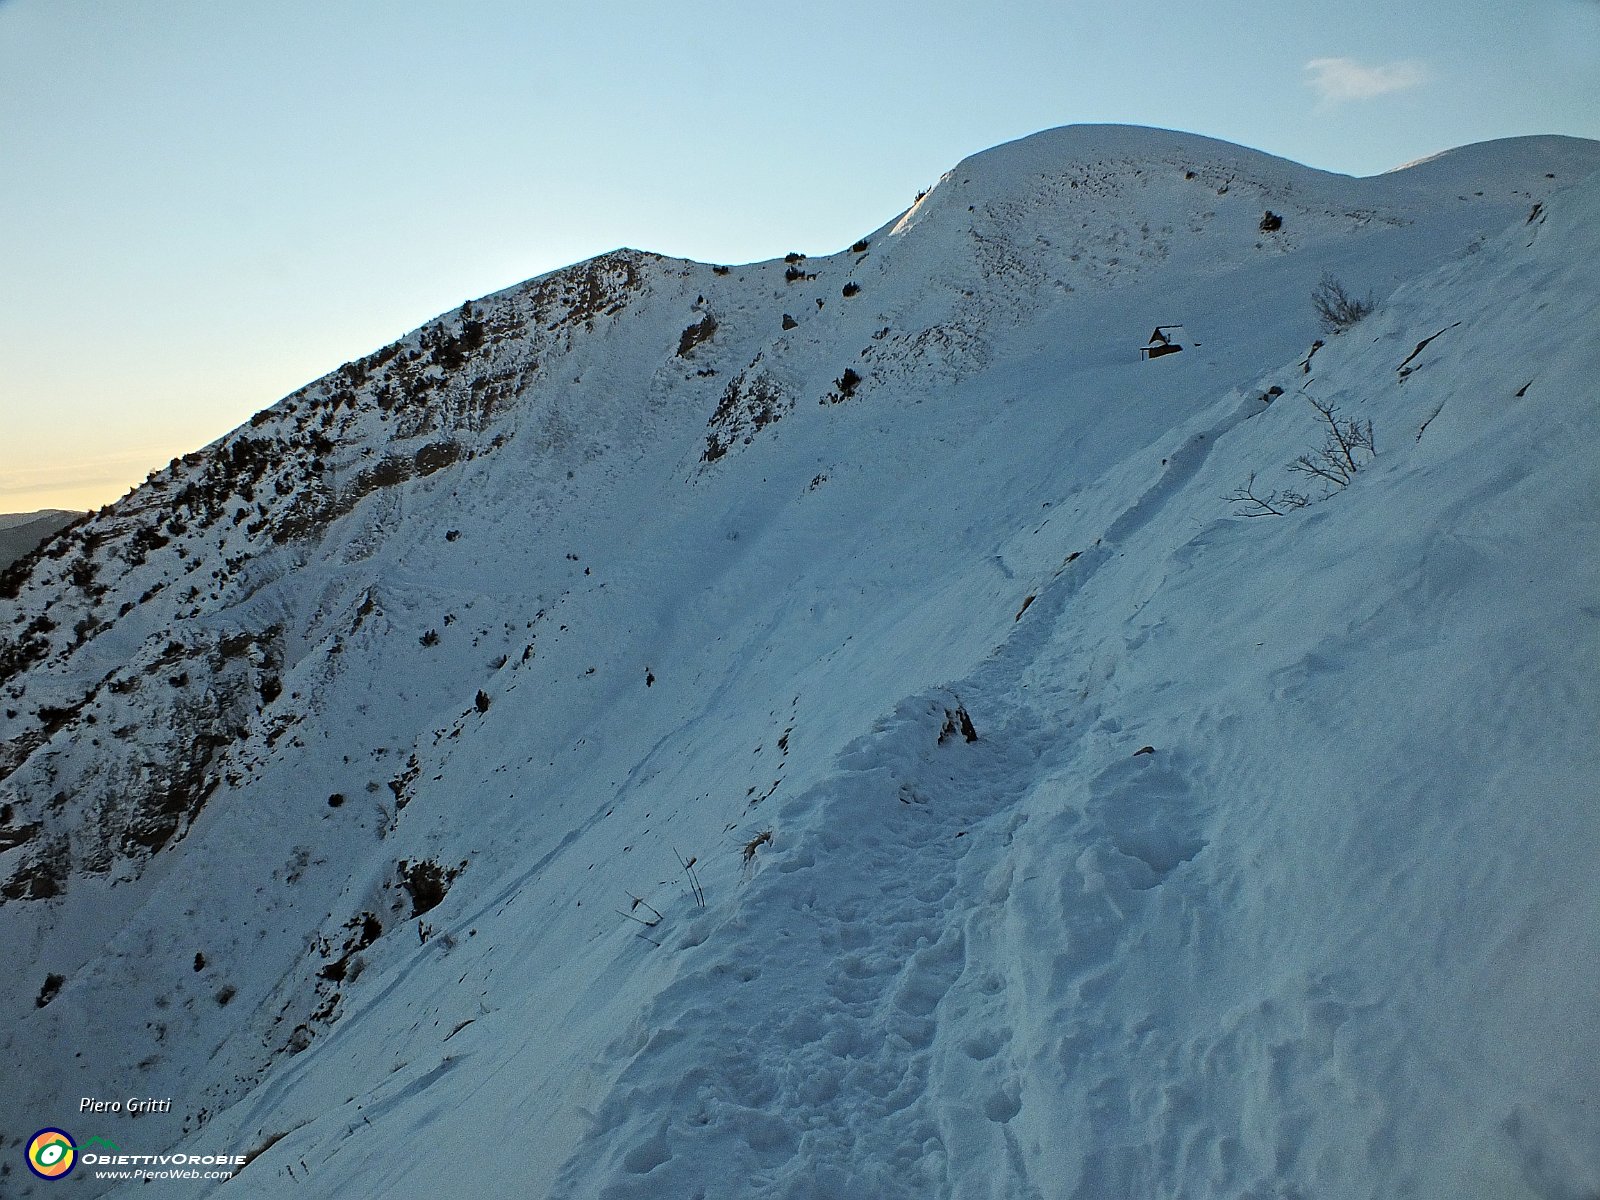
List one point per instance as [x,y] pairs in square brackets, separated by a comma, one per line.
[1052,830]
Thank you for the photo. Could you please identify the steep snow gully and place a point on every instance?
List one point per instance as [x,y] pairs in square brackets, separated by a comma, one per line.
[820,729]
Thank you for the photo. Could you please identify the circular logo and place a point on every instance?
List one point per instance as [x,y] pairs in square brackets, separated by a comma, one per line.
[51,1154]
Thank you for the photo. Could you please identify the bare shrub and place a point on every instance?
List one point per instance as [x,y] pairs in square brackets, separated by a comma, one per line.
[1264,504]
[1336,308]
[1348,446]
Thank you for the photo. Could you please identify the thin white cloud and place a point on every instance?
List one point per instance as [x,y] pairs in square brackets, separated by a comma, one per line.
[1339,79]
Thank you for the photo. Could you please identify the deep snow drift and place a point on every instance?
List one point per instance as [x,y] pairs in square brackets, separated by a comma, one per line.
[1052,829]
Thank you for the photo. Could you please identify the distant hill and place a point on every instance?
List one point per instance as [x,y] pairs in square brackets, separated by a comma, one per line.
[21,532]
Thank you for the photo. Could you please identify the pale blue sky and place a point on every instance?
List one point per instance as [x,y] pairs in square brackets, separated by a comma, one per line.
[207,203]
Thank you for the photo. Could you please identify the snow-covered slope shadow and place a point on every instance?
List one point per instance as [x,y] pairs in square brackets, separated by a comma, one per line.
[1056,961]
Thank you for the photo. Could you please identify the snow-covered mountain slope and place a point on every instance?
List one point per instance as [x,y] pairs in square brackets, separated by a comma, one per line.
[818,729]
